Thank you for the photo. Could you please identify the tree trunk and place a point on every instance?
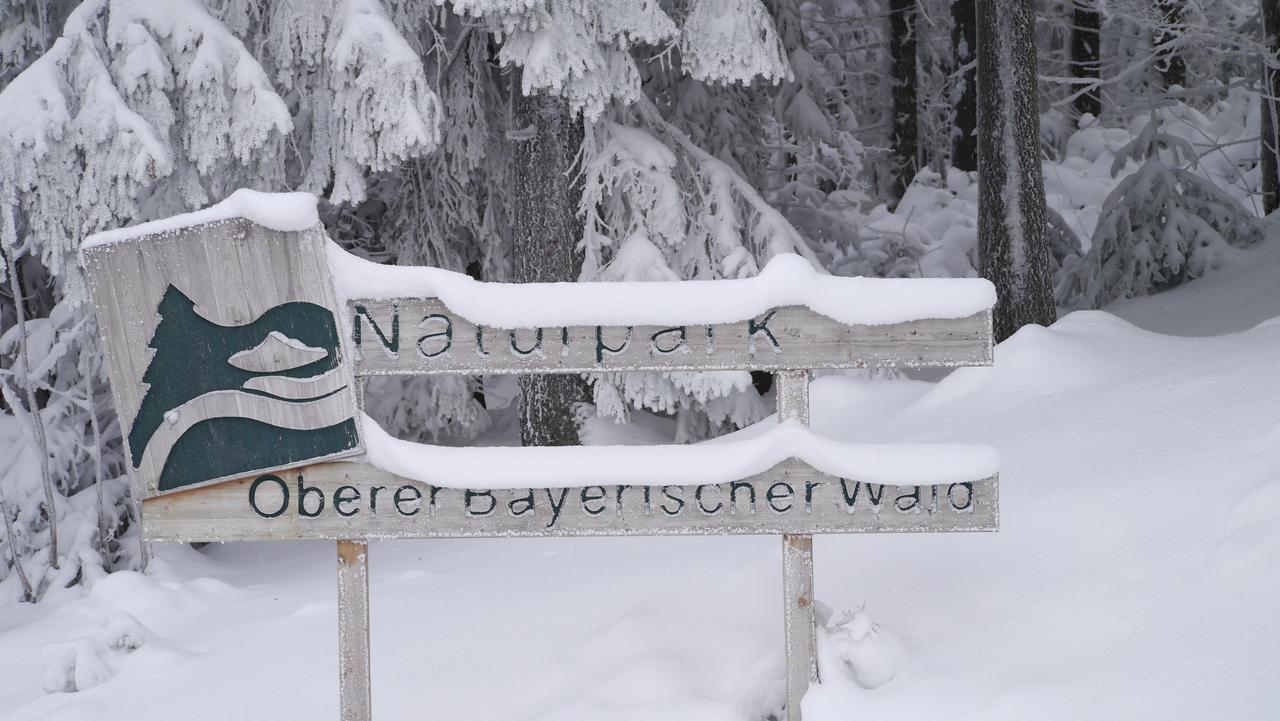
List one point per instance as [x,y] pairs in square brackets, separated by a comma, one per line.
[545,232]
[902,51]
[1173,69]
[1270,105]
[1013,250]
[1086,22]
[964,43]
[33,407]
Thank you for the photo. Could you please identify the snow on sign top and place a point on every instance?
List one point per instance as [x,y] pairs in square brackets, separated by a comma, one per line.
[725,460]
[787,280]
[277,211]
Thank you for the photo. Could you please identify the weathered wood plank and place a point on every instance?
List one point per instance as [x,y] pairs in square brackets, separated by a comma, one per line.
[363,502]
[412,336]
[354,693]
[798,618]
[792,391]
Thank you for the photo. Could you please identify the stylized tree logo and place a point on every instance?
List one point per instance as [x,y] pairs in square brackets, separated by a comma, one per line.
[226,400]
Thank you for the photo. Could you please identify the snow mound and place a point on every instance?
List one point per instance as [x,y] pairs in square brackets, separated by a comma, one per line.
[82,663]
[860,650]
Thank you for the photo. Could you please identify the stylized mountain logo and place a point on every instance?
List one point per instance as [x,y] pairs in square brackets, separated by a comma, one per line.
[228,400]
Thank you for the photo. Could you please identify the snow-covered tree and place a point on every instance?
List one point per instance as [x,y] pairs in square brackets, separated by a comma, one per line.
[138,110]
[1162,225]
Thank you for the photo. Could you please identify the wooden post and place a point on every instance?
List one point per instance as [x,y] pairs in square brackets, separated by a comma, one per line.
[797,565]
[353,631]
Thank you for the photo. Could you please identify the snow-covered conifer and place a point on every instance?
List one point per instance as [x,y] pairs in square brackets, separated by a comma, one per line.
[1161,226]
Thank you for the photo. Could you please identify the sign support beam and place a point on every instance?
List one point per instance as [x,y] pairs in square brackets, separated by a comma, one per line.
[792,391]
[354,698]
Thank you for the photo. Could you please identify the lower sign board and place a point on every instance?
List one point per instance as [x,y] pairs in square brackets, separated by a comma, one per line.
[357,500]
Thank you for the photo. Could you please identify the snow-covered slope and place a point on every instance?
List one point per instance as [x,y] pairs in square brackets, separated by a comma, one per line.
[1135,576]
[1229,300]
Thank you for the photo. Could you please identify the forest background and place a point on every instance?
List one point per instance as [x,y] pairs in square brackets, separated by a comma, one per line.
[1075,153]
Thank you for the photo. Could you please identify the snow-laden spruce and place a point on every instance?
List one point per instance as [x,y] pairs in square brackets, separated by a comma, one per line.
[139,110]
[1160,226]
[580,49]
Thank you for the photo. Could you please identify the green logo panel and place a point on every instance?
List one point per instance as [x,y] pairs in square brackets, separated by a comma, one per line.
[224,400]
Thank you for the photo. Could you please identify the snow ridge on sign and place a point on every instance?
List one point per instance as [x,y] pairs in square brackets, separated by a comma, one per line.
[787,280]
[722,461]
[276,211]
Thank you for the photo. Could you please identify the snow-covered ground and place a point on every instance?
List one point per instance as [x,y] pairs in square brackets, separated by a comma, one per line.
[1136,574]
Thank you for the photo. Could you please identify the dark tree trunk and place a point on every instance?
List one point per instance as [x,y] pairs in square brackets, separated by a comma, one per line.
[1086,22]
[545,232]
[964,45]
[1013,250]
[1173,69]
[902,51]
[1270,105]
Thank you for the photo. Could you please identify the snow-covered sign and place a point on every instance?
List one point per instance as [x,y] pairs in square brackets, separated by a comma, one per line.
[236,338]
[223,348]
[423,320]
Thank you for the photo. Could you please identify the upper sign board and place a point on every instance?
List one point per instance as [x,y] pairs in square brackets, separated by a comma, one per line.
[412,336]
[224,352]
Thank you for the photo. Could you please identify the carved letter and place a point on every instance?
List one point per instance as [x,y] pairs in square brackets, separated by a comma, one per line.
[400,499]
[666,491]
[680,343]
[808,494]
[340,498]
[912,503]
[733,496]
[253,495]
[447,334]
[968,496]
[601,347]
[786,494]
[520,505]
[619,504]
[303,492]
[697,496]
[849,500]
[556,508]
[471,495]
[516,349]
[391,345]
[755,328]
[593,494]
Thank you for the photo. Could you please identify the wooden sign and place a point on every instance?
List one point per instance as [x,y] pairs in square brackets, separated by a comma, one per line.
[235,369]
[224,352]
[354,500]
[421,336]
